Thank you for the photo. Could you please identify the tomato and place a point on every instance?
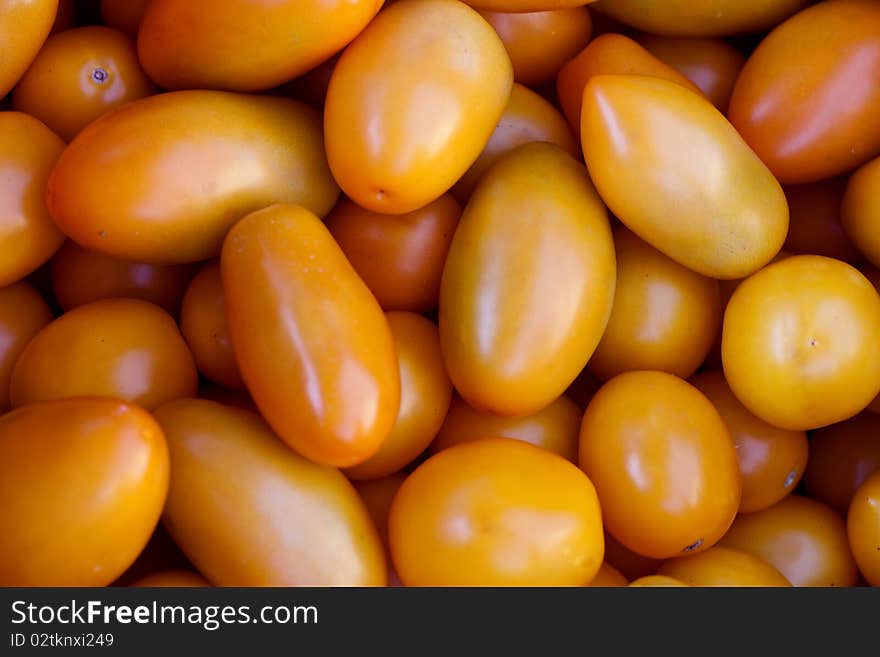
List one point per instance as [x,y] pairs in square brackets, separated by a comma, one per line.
[663,464]
[633,129]
[540,42]
[700,17]
[205,327]
[311,342]
[665,317]
[24,26]
[632,565]
[399,257]
[799,342]
[711,64]
[657,581]
[173,578]
[80,276]
[771,460]
[28,237]
[609,54]
[608,577]
[522,6]
[804,539]
[527,118]
[496,512]
[378,494]
[806,100]
[425,394]
[720,566]
[245,46]
[842,457]
[860,211]
[79,75]
[249,511]
[125,348]
[124,15]
[23,312]
[815,227]
[82,484]
[863,529]
[162,179]
[398,140]
[554,428]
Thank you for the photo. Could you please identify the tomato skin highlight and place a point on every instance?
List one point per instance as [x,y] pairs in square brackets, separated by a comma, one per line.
[24,27]
[720,566]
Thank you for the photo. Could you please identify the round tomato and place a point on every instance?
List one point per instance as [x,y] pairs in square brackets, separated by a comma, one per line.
[608,577]
[863,528]
[657,581]
[172,578]
[815,227]
[860,212]
[124,15]
[23,312]
[720,566]
[24,27]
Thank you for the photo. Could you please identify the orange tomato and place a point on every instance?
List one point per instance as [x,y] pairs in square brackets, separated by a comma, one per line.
[799,342]
[397,141]
[425,393]
[124,348]
[665,317]
[815,227]
[23,312]
[806,100]
[24,26]
[720,566]
[632,129]
[804,539]
[249,511]
[162,179]
[378,494]
[124,15]
[245,46]
[172,578]
[663,464]
[608,577]
[513,343]
[311,342]
[863,529]
[771,460]
[521,6]
[82,484]
[860,210]
[496,512]
[657,581]
[79,75]
[399,257]
[28,237]
[632,565]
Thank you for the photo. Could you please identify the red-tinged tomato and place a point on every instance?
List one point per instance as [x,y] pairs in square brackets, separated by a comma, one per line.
[609,54]
[227,396]
[711,64]
[24,26]
[806,100]
[162,179]
[799,342]
[863,529]
[496,512]
[842,457]
[540,42]
[23,312]
[663,464]
[173,578]
[527,118]
[249,511]
[771,460]
[399,257]
[815,227]
[608,577]
[124,15]
[632,130]
[378,494]
[246,45]
[412,102]
[79,75]
[28,237]
[860,210]
[311,342]
[803,539]
[528,283]
[425,394]
[82,484]
[721,566]
[124,348]
[700,17]
[665,317]
[204,324]
[657,581]
[632,565]
[80,276]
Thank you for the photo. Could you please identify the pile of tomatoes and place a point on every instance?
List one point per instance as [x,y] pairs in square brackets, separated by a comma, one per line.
[433,293]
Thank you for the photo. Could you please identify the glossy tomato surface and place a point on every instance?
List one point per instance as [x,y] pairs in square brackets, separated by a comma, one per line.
[24,26]
[719,566]
[860,211]
[863,529]
[23,312]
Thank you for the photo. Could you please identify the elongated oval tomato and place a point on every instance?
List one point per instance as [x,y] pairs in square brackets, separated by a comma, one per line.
[162,179]
[172,578]
[249,511]
[496,512]
[82,484]
[860,211]
[807,100]
[124,15]
[713,206]
[24,26]
[816,226]
[396,139]
[244,45]
[312,343]
[863,529]
[23,312]
[125,348]
[719,566]
[528,283]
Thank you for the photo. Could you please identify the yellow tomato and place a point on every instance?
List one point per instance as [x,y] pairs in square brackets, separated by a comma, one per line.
[82,484]
[816,227]
[633,129]
[608,577]
[172,578]
[723,567]
[24,26]
[249,511]
[799,342]
[863,529]
[412,102]
[860,212]
[657,581]
[528,283]
[23,312]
